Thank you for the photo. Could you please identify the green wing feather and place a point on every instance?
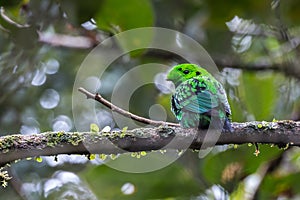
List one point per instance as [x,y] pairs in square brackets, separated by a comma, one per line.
[197,95]
[198,98]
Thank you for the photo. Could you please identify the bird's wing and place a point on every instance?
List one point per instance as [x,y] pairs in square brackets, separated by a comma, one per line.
[195,95]
[176,108]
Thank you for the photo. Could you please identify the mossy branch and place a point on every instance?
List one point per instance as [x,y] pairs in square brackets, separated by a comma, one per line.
[14,147]
[163,135]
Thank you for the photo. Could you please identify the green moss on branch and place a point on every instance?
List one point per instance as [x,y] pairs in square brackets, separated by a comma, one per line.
[14,147]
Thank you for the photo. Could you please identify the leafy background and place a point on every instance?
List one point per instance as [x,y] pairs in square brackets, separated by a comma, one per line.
[255,45]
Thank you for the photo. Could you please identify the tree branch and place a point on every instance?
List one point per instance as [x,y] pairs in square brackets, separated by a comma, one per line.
[125,113]
[14,147]
[231,63]
[69,41]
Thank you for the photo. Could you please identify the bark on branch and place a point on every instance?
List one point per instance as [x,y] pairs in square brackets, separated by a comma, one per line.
[14,147]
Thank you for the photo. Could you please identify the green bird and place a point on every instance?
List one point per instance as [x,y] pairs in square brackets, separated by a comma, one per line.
[199,99]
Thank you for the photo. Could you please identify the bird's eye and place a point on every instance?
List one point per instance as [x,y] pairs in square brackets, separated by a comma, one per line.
[186,71]
[180,69]
[198,73]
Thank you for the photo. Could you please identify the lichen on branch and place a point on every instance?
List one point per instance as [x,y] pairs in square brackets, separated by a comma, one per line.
[14,147]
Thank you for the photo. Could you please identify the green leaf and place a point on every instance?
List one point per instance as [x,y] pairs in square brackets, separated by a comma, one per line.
[79,12]
[94,128]
[259,93]
[275,185]
[118,15]
[39,159]
[172,181]
[260,11]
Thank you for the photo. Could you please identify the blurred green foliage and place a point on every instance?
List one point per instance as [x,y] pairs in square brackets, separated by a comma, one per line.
[151,185]
[261,41]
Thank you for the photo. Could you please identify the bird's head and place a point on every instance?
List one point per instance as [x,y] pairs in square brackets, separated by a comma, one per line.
[183,72]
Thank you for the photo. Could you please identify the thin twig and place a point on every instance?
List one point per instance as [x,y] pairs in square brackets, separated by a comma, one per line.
[125,113]
[10,21]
